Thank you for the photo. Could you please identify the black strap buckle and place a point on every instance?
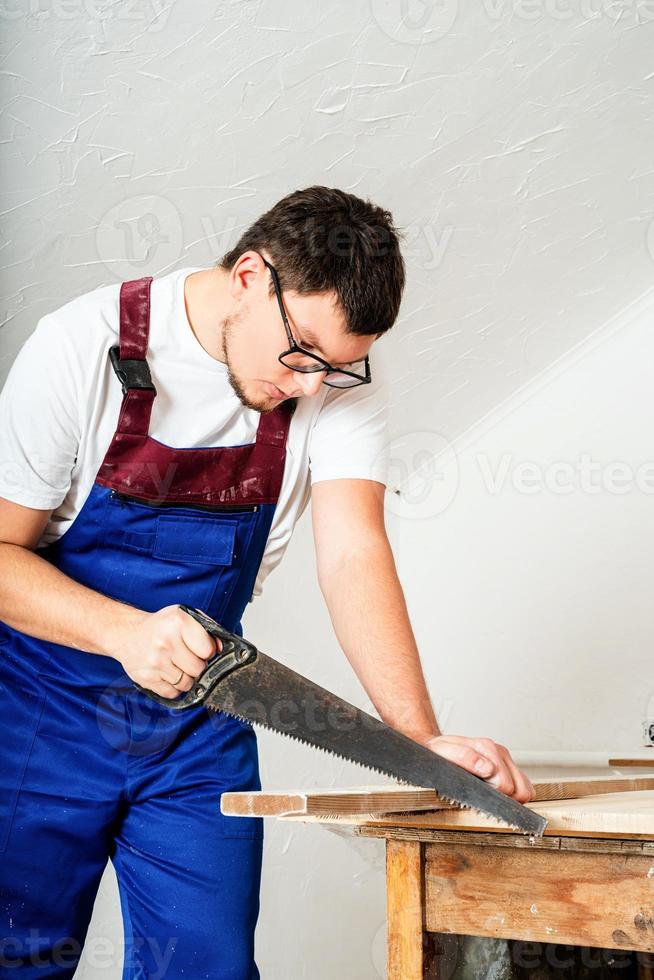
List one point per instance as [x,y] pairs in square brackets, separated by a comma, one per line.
[131,373]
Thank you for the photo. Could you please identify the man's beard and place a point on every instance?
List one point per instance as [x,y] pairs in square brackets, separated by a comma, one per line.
[237,387]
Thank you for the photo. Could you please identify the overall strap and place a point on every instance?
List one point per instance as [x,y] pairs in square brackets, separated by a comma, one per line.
[273,426]
[129,359]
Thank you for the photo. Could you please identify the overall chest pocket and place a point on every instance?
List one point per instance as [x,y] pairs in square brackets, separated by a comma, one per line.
[158,559]
[195,540]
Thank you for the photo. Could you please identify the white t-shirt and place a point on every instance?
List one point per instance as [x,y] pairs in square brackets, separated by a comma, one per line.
[60,405]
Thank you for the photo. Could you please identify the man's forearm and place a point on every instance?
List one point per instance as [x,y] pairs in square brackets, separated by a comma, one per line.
[36,598]
[368,611]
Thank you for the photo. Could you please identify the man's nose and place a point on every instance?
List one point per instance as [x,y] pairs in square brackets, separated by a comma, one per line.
[311,381]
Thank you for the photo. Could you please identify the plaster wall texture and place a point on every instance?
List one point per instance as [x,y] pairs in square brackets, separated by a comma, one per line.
[513,143]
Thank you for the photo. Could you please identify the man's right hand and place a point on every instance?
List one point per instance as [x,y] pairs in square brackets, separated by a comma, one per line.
[158,645]
[39,599]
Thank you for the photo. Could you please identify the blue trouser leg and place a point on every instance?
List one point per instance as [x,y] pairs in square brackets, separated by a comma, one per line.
[207,928]
[188,876]
[56,821]
[91,772]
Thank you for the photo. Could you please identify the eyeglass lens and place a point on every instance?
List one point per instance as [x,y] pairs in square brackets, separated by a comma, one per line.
[307,364]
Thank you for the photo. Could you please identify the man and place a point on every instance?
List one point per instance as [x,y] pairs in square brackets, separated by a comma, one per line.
[159,441]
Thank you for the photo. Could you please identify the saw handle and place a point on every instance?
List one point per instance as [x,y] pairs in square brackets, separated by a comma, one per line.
[236,652]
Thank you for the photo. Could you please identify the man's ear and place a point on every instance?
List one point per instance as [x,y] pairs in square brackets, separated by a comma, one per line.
[242,274]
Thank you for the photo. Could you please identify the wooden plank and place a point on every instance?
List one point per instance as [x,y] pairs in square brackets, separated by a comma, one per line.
[607,815]
[360,799]
[594,899]
[623,816]
[427,835]
[404,907]
[641,763]
[393,799]
[575,789]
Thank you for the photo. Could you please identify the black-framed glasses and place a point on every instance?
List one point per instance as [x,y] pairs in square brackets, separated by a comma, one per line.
[298,359]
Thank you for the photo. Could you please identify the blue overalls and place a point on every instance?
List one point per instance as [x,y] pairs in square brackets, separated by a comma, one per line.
[90,767]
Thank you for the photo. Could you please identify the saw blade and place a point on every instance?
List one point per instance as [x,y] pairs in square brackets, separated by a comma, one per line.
[269,694]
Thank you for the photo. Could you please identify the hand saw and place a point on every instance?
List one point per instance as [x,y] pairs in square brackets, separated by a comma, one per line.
[246,683]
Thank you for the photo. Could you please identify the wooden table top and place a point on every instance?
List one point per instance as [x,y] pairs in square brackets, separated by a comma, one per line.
[572,808]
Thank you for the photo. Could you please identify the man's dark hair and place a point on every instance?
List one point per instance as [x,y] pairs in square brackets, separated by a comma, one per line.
[321,239]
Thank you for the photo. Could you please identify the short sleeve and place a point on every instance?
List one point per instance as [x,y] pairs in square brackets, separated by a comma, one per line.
[349,439]
[39,420]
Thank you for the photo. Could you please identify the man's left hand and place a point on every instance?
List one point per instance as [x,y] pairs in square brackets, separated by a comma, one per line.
[488,759]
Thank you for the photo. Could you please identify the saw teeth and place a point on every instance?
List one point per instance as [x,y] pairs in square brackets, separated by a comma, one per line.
[303,741]
[331,752]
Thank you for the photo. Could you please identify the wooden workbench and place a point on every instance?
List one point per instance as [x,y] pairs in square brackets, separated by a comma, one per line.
[584,891]
[589,881]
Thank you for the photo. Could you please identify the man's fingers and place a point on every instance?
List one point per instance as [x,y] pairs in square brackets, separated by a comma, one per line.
[524,790]
[184,659]
[186,681]
[168,691]
[462,753]
[503,776]
[487,759]
[196,638]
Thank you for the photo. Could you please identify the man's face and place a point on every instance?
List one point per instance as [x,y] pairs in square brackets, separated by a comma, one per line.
[253,337]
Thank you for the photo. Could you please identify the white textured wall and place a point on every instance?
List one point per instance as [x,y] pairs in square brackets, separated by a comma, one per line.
[512,139]
[513,142]
[527,552]
[527,558]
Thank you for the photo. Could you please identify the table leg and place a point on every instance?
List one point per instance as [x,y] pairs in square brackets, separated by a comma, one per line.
[404,905]
[645,966]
